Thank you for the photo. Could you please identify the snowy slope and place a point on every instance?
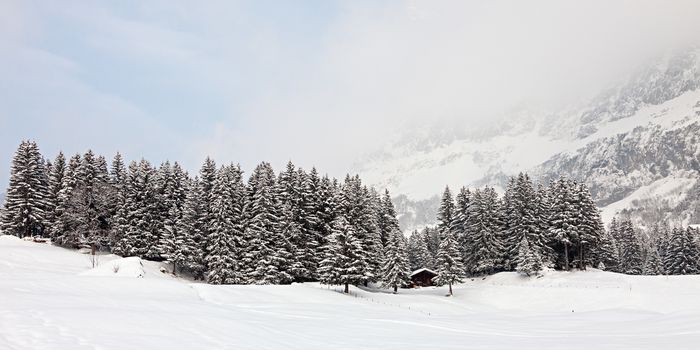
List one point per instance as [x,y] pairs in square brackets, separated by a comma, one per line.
[48,302]
[627,137]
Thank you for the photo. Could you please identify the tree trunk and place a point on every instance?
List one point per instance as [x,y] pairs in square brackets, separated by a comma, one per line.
[174,269]
[347,288]
[396,288]
[450,284]
[566,256]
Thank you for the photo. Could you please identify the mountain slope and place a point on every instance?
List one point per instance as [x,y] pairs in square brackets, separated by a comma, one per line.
[628,137]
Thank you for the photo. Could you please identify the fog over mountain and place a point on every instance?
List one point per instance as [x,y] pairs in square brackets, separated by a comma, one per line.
[635,144]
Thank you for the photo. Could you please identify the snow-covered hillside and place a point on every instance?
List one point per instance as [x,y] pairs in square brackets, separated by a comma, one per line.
[633,135]
[51,299]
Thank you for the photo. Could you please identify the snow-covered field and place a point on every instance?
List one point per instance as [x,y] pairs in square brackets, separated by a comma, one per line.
[51,299]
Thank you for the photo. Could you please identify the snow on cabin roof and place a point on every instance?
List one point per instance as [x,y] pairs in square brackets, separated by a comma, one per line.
[421,270]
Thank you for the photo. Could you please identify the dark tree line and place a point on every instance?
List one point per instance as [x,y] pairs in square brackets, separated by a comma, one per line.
[216,226]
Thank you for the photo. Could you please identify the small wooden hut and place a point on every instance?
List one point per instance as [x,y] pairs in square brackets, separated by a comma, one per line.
[422,277]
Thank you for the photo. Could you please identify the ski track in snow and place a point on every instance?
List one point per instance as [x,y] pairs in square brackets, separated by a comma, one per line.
[49,301]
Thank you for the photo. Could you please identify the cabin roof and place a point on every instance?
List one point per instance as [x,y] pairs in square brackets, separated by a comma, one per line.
[423,270]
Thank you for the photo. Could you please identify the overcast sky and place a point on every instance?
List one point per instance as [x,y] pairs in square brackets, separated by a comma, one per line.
[318,82]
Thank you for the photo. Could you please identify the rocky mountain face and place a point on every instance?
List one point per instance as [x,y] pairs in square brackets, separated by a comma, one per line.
[635,145]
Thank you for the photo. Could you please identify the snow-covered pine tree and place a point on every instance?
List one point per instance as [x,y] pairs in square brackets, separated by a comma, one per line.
[86,208]
[117,201]
[207,178]
[27,193]
[327,208]
[63,225]
[345,262]
[682,255]
[652,263]
[142,234]
[590,226]
[450,269]
[462,221]
[267,259]
[431,236]
[564,220]
[174,197]
[189,241]
[607,254]
[310,223]
[543,204]
[529,261]
[56,178]
[396,269]
[355,204]
[484,233]
[297,222]
[631,261]
[446,213]
[418,255]
[520,219]
[387,221]
[226,236]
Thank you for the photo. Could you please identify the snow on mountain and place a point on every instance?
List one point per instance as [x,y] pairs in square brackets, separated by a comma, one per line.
[629,136]
[49,303]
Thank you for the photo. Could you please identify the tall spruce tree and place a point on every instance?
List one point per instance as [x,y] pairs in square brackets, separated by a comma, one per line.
[27,193]
[446,213]
[448,263]
[396,269]
[56,182]
[268,258]
[418,255]
[484,233]
[226,241]
[682,256]
[345,260]
[564,225]
[631,261]
[529,261]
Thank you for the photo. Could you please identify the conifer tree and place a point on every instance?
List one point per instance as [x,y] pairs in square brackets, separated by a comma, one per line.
[446,213]
[56,182]
[267,259]
[652,263]
[631,261]
[461,222]
[345,261]
[418,254]
[520,219]
[27,194]
[607,254]
[484,233]
[117,201]
[564,219]
[226,241]
[396,270]
[529,261]
[448,263]
[682,256]
[387,221]
[189,238]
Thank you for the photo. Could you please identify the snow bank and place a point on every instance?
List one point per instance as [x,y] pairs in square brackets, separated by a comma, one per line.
[125,267]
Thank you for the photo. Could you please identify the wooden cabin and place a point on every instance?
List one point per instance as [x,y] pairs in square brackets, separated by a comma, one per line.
[422,278]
